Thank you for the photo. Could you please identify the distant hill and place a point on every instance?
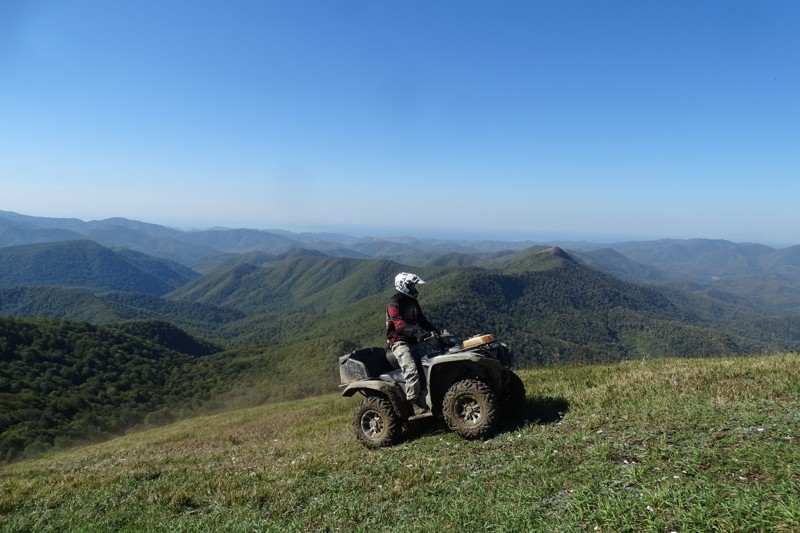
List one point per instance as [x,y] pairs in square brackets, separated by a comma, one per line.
[554,309]
[697,260]
[253,258]
[457,259]
[765,279]
[16,234]
[549,306]
[79,226]
[151,239]
[88,265]
[614,262]
[58,302]
[310,282]
[64,382]
[238,240]
[191,247]
[712,258]
[254,279]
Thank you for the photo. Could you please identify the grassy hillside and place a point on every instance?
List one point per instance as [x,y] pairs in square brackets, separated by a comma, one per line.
[655,445]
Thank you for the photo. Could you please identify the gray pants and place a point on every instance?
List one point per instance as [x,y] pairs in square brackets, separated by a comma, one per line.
[405,358]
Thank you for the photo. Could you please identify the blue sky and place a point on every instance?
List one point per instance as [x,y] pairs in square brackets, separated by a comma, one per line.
[597,120]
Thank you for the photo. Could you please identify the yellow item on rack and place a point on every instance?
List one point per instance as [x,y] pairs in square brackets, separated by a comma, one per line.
[477,340]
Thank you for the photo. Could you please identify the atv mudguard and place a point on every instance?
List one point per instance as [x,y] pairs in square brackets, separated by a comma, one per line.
[369,387]
[369,384]
[449,368]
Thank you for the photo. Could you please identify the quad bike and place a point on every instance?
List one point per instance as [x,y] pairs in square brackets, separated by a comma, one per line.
[469,386]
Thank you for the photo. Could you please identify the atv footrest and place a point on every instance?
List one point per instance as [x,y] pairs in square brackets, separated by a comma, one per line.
[420,416]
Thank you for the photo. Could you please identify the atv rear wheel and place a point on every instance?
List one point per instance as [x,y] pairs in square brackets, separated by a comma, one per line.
[375,422]
[469,408]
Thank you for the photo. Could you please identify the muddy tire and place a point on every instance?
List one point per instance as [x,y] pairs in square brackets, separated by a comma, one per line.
[469,408]
[376,423]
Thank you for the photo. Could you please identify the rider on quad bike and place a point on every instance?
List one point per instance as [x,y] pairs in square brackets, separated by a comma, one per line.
[468,386]
[405,326]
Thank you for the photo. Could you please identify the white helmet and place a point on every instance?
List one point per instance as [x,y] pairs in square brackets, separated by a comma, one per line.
[405,282]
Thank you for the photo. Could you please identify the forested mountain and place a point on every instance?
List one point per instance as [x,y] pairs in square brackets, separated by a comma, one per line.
[288,320]
[550,306]
[242,303]
[63,382]
[16,234]
[87,265]
[762,278]
[295,284]
[612,261]
[112,307]
[698,260]
[57,302]
[703,259]
[262,315]
[694,257]
[556,309]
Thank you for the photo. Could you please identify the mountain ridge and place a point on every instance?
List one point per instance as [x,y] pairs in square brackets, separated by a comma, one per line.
[315,285]
[88,265]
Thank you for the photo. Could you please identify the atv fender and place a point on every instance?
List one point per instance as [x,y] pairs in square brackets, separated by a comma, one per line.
[371,387]
[468,358]
[368,384]
[447,369]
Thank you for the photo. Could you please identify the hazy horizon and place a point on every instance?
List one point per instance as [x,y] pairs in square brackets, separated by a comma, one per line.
[454,234]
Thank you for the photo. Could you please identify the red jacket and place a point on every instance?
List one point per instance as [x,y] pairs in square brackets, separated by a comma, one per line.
[404,319]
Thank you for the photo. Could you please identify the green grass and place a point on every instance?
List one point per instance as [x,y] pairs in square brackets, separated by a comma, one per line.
[657,445]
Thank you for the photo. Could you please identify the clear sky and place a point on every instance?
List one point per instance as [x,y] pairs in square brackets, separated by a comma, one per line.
[507,119]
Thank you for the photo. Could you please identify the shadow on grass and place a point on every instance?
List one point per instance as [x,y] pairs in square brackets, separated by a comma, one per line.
[540,410]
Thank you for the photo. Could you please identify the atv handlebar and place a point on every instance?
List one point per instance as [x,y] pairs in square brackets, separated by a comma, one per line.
[444,339]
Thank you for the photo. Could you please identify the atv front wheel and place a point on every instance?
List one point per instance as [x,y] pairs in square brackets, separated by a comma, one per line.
[469,408]
[375,422]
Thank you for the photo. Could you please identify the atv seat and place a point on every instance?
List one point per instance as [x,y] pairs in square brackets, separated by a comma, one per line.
[364,364]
